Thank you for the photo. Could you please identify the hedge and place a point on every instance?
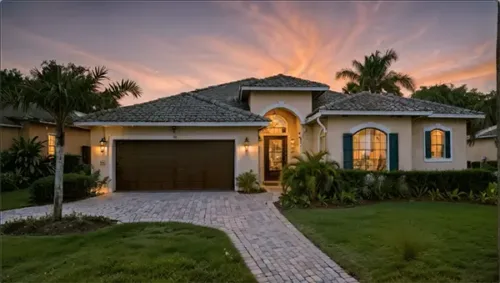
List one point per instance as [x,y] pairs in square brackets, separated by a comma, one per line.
[475,180]
[72,163]
[75,186]
[489,164]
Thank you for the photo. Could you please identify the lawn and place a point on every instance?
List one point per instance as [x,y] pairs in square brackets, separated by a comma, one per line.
[452,242]
[15,199]
[139,252]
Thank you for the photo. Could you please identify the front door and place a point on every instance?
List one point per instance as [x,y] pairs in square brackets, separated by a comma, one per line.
[275,156]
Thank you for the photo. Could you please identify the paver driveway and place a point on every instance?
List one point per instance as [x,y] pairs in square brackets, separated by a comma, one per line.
[270,245]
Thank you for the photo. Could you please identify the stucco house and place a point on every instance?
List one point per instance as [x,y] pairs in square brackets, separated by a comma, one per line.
[203,139]
[15,123]
[484,145]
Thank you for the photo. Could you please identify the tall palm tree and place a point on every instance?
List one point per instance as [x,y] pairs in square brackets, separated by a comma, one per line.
[374,75]
[61,90]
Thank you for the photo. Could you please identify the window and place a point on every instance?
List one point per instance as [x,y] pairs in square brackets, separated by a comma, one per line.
[278,125]
[51,144]
[369,150]
[437,143]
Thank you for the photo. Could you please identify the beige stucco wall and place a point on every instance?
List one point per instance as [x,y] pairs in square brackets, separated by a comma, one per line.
[458,144]
[337,126]
[482,148]
[75,138]
[297,101]
[6,136]
[245,161]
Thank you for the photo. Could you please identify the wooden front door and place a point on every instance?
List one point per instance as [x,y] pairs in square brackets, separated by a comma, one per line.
[275,156]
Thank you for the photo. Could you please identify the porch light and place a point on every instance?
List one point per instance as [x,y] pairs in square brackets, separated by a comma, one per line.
[246,144]
[103,143]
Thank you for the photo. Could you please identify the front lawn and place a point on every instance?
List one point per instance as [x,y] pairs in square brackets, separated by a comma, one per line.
[406,242]
[139,252]
[15,199]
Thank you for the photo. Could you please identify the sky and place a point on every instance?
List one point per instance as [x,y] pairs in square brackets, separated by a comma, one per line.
[171,47]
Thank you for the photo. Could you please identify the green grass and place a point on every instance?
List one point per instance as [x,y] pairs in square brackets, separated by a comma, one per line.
[406,242]
[139,252]
[15,199]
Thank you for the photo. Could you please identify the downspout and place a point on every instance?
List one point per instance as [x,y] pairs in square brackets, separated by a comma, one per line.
[323,130]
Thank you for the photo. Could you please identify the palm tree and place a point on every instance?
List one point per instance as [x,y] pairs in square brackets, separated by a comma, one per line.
[374,75]
[61,90]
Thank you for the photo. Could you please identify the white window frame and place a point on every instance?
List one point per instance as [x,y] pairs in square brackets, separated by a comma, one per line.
[48,144]
[379,127]
[442,159]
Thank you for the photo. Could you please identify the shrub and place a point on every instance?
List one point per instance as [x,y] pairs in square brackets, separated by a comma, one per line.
[45,225]
[27,160]
[7,161]
[75,186]
[309,175]
[8,182]
[247,182]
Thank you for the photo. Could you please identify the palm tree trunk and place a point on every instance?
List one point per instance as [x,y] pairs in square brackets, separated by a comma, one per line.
[58,180]
[498,133]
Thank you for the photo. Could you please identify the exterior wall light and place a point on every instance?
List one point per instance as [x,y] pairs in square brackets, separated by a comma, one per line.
[103,143]
[246,144]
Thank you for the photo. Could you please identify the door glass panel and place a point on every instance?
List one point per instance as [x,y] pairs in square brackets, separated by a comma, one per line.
[275,155]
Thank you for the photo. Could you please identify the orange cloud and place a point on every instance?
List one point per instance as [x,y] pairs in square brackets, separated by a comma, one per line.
[485,69]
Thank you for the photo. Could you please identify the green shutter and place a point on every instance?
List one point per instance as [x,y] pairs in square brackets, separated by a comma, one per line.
[427,144]
[347,145]
[393,152]
[447,144]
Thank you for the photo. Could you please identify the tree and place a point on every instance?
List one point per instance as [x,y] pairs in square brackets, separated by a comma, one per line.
[462,97]
[60,90]
[10,79]
[374,75]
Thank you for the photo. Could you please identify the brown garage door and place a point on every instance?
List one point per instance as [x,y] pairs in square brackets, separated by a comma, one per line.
[174,165]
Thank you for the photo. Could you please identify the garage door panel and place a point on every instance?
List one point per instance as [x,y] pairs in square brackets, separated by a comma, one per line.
[174,165]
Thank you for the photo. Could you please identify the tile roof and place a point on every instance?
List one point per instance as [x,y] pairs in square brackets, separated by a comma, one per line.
[13,117]
[227,93]
[490,132]
[365,101]
[185,107]
[281,80]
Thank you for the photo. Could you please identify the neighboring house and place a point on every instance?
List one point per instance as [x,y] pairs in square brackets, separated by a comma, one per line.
[203,139]
[483,146]
[15,123]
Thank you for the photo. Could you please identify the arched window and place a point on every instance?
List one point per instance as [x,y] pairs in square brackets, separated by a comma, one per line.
[437,143]
[369,150]
[278,125]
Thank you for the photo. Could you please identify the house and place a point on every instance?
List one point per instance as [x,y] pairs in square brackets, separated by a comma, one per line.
[203,139]
[16,123]
[484,146]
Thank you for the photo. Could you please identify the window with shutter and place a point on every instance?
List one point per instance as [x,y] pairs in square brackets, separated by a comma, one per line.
[437,143]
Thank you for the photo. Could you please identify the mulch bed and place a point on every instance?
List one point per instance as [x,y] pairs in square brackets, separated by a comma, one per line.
[43,226]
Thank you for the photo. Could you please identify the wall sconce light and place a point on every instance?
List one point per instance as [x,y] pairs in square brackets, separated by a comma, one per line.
[246,144]
[103,143]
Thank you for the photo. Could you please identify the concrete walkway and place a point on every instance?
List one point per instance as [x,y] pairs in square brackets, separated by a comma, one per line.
[270,245]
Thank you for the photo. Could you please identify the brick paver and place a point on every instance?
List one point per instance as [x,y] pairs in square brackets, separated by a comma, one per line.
[270,245]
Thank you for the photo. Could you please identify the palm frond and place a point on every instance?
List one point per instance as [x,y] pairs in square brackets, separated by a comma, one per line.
[347,74]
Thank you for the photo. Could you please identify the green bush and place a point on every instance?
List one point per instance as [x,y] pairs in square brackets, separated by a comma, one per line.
[309,175]
[75,186]
[8,181]
[247,182]
[7,161]
[72,163]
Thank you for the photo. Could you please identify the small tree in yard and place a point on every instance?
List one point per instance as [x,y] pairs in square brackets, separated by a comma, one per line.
[61,90]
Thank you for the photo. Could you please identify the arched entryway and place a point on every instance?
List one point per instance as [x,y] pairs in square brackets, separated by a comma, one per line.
[278,143]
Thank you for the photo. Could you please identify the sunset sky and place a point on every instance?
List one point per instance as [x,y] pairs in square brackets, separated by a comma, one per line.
[170,47]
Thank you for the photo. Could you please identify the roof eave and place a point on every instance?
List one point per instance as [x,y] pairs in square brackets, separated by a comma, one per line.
[287,88]
[174,124]
[391,113]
